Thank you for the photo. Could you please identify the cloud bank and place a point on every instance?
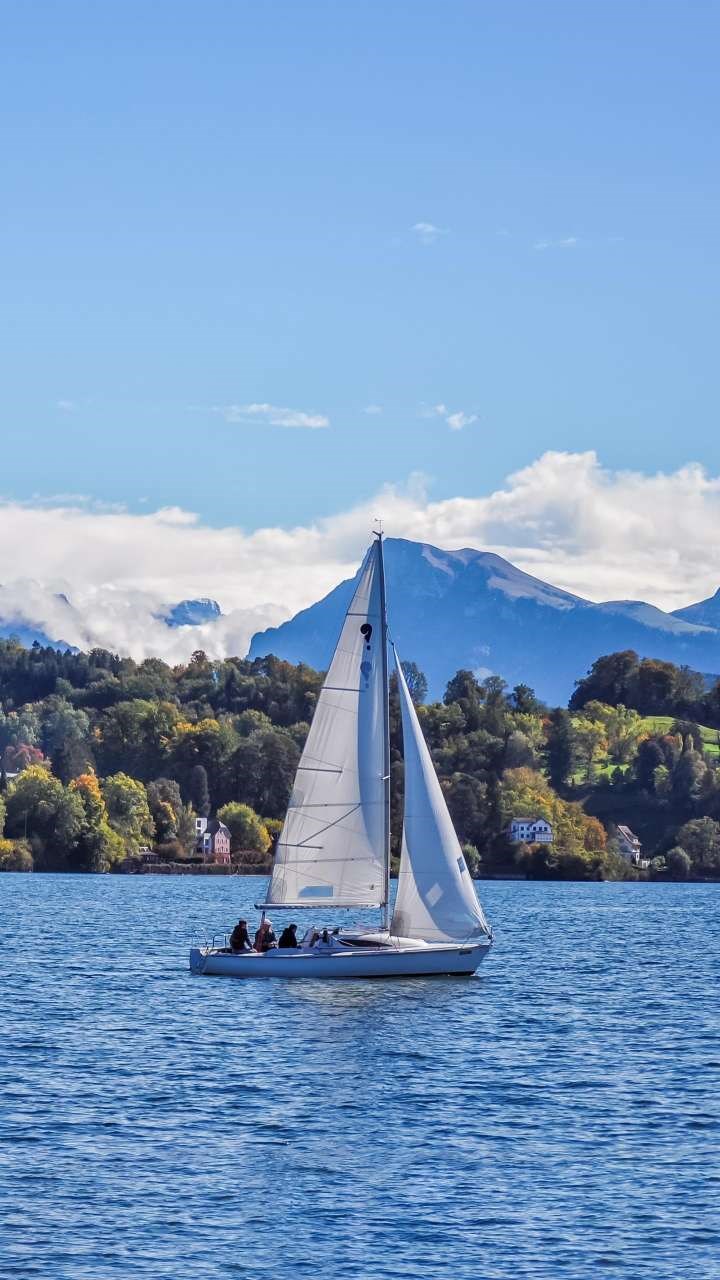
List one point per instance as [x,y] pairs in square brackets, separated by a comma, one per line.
[601,534]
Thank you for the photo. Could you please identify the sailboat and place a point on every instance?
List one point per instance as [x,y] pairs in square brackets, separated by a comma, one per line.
[334,849]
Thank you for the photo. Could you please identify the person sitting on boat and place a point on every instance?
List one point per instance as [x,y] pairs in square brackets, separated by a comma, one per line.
[240,938]
[288,937]
[324,942]
[265,938]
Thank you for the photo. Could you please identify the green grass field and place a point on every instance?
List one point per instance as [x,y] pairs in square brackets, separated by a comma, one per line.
[663,724]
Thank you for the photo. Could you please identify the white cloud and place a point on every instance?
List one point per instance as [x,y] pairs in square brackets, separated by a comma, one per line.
[455,420]
[569,242]
[599,533]
[67,406]
[427,232]
[274,415]
[373,409]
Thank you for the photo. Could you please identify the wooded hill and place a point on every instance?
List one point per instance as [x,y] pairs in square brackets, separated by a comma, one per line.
[110,755]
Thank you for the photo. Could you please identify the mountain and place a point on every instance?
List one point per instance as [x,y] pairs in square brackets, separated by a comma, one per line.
[192,613]
[473,609]
[706,612]
[28,636]
[20,618]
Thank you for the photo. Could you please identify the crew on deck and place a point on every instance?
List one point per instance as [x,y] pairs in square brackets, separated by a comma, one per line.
[240,938]
[265,938]
[288,937]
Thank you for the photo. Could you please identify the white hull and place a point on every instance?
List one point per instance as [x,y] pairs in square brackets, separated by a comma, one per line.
[366,962]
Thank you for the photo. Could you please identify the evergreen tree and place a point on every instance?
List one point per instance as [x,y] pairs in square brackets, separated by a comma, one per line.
[560,747]
[71,758]
[199,794]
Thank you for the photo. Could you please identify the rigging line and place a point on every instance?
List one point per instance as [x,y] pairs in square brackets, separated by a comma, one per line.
[314,768]
[335,804]
[325,826]
[330,825]
[312,862]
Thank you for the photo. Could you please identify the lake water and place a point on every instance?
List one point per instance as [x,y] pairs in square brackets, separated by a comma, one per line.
[556,1116]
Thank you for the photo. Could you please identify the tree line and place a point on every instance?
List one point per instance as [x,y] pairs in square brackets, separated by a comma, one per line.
[110,755]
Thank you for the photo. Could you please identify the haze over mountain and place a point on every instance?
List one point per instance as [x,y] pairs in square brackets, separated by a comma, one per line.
[473,609]
[447,609]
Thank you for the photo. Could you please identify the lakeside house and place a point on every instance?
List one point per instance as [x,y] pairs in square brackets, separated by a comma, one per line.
[629,846]
[212,841]
[530,831]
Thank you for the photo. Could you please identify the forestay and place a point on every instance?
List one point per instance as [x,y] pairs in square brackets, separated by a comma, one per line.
[436,899]
[331,849]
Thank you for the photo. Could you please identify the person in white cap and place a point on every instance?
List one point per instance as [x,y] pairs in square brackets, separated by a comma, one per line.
[265,937]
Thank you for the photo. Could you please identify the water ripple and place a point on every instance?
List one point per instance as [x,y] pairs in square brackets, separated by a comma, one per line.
[556,1117]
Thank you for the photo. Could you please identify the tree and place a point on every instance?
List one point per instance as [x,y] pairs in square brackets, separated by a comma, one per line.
[590,741]
[610,679]
[198,790]
[649,758]
[15,856]
[518,751]
[623,726]
[524,700]
[700,838]
[416,681]
[688,778]
[70,758]
[166,806]
[465,690]
[41,809]
[98,846]
[594,836]
[473,859]
[63,723]
[560,750]
[465,798]
[247,830]
[678,863]
[495,706]
[128,811]
[655,687]
[263,769]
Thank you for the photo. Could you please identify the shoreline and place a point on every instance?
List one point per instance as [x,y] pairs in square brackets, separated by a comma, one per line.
[178,869]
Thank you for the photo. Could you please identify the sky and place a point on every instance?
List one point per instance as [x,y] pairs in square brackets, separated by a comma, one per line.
[270,270]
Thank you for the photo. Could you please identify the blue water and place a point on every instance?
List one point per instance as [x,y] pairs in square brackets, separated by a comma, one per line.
[556,1116]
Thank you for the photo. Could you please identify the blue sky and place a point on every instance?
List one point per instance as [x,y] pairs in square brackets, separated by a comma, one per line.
[213,204]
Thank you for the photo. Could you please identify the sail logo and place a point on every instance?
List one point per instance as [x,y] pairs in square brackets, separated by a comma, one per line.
[366,666]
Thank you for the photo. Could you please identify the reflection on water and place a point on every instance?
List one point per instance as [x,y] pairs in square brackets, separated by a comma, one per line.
[554,1116]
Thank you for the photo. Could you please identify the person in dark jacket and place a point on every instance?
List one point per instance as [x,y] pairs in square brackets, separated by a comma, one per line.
[265,937]
[288,937]
[240,938]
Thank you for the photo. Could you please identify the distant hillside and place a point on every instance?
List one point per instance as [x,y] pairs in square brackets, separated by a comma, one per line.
[706,612]
[473,609]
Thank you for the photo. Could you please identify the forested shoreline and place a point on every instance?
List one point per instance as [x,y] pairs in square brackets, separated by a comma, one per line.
[102,757]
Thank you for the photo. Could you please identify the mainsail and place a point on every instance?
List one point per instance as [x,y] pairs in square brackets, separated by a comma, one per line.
[436,899]
[332,846]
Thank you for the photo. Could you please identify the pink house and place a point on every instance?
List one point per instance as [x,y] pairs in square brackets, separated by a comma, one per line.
[212,840]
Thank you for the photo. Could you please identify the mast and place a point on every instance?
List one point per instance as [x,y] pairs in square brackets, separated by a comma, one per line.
[386,728]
